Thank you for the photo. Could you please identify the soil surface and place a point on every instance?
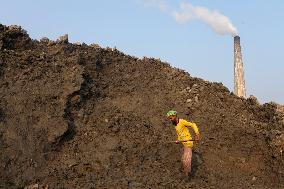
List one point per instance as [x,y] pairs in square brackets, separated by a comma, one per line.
[81,116]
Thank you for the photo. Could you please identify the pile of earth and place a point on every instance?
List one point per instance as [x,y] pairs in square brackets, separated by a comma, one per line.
[81,116]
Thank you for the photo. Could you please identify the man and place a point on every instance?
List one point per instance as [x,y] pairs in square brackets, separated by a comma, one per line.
[184,137]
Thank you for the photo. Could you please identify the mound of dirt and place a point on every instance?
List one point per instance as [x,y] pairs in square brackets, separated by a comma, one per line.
[81,116]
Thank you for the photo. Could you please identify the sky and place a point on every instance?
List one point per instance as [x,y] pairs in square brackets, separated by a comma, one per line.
[184,33]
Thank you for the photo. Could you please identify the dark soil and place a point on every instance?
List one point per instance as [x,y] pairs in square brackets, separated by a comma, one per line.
[81,116]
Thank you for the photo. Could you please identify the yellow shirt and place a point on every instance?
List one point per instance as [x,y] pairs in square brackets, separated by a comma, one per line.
[183,131]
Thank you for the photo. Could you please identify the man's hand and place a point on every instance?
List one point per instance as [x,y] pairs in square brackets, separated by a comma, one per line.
[197,137]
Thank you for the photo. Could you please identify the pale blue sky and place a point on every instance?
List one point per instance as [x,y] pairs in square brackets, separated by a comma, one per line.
[140,30]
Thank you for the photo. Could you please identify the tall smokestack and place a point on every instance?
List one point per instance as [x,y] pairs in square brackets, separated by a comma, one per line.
[240,88]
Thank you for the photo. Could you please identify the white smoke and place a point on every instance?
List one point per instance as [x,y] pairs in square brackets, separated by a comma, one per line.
[187,12]
[217,21]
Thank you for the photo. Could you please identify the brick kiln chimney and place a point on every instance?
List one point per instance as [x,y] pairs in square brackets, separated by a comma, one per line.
[240,88]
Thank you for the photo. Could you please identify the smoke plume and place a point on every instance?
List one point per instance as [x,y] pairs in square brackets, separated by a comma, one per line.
[218,22]
[187,12]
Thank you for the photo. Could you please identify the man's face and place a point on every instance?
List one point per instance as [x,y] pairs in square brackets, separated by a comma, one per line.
[173,119]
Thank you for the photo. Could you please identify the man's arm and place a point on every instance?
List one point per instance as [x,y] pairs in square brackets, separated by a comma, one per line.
[194,127]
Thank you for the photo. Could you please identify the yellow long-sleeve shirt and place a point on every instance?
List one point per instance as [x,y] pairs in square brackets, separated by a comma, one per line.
[182,129]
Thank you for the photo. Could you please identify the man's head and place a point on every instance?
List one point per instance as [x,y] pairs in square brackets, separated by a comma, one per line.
[172,116]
